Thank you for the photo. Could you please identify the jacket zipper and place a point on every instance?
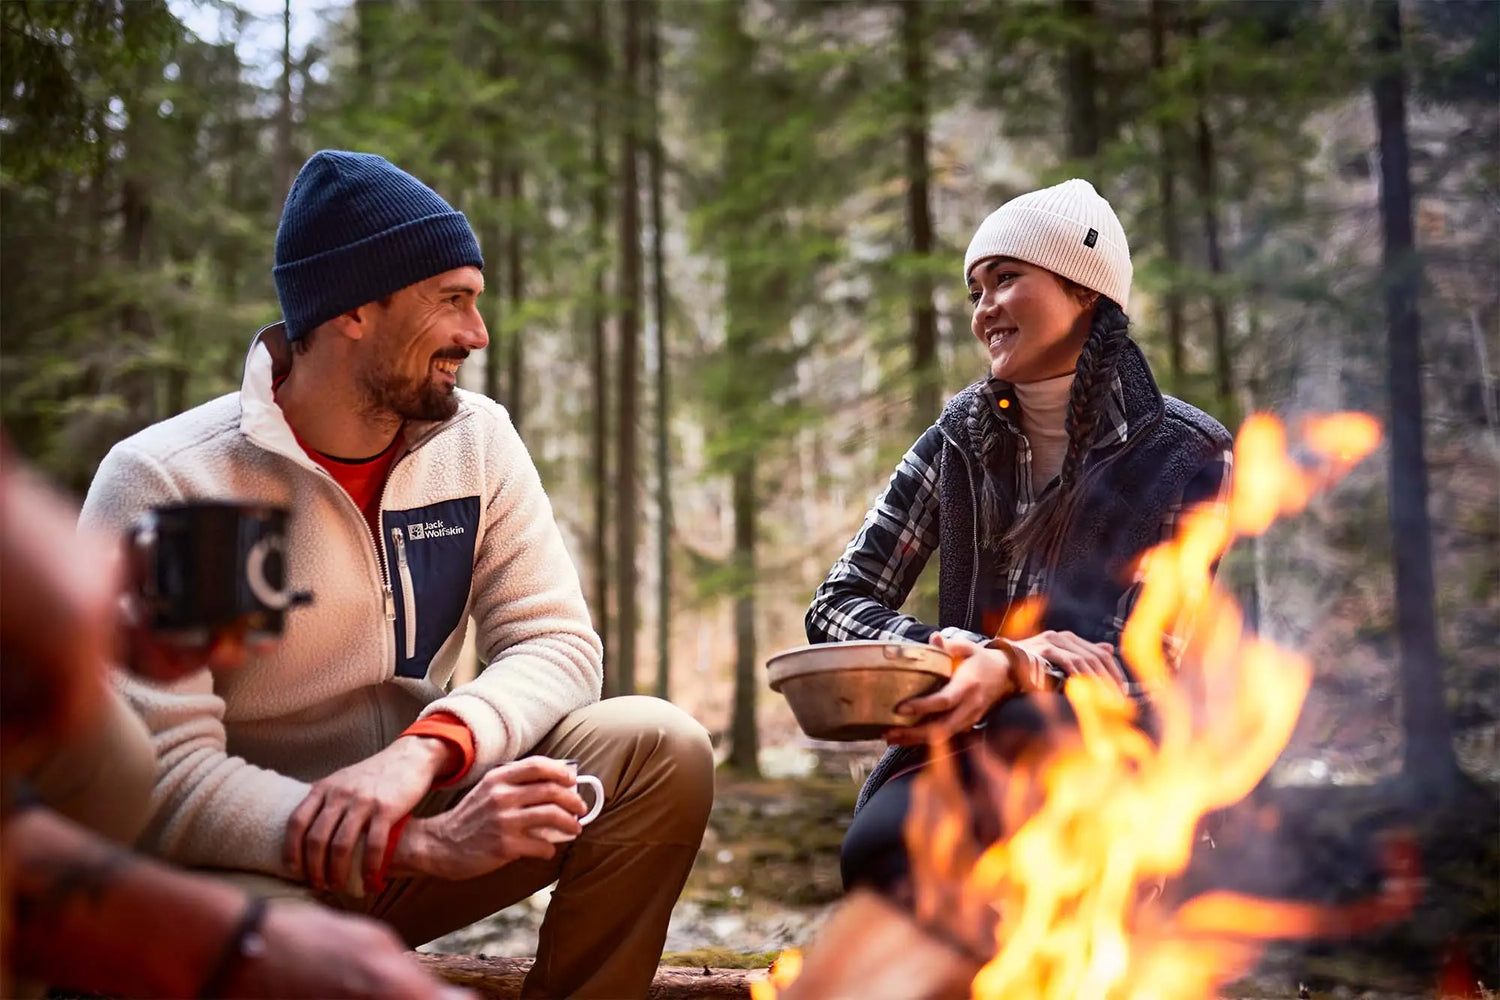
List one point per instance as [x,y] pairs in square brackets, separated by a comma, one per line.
[388,593]
[385,574]
[974,504]
[388,597]
[408,588]
[408,593]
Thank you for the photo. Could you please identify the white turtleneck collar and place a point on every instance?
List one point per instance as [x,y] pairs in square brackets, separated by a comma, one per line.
[1044,421]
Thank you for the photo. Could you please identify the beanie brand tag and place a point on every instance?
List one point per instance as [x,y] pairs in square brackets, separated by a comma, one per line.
[1092,238]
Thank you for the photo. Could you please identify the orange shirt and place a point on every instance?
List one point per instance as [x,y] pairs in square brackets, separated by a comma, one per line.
[362,478]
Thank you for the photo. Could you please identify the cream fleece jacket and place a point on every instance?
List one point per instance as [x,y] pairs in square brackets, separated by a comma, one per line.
[237,750]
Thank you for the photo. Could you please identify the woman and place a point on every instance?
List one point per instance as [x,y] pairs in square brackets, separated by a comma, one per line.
[1045,480]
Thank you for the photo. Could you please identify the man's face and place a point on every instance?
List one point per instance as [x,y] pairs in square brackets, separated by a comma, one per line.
[419,337]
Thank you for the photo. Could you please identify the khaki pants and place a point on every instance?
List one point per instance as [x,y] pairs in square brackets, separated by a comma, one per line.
[616,884]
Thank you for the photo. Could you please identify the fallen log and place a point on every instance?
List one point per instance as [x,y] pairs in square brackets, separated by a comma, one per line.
[870,950]
[500,978]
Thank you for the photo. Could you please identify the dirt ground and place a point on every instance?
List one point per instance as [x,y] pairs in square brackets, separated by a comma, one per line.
[767,875]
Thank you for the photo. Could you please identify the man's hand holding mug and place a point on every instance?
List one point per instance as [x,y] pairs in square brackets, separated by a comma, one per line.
[523,809]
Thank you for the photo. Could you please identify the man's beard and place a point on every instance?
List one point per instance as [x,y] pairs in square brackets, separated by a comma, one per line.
[387,392]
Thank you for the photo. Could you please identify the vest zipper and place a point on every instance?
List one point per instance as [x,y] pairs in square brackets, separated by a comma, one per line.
[408,593]
[974,504]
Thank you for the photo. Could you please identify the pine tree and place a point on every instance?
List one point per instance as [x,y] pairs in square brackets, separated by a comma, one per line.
[662,395]
[1428,763]
[628,360]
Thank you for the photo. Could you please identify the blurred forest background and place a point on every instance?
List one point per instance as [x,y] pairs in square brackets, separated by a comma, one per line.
[724,243]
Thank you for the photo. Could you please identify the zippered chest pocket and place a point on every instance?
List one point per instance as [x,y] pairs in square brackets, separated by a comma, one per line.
[430,556]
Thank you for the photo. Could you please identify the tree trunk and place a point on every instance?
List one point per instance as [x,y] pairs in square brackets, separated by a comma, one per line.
[744,735]
[368,15]
[231,259]
[492,228]
[748,285]
[284,165]
[142,388]
[1429,760]
[515,272]
[628,362]
[135,205]
[1166,187]
[98,195]
[598,343]
[924,333]
[492,303]
[663,368]
[1208,200]
[1081,81]
[1208,192]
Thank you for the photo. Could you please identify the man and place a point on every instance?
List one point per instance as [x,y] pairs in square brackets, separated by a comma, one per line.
[77,910]
[414,507]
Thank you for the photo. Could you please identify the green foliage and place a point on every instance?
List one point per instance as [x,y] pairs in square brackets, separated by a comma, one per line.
[60,62]
[1455,48]
[141,177]
[763,210]
[131,223]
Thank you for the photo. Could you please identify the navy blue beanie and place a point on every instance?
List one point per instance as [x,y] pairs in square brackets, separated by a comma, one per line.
[355,229]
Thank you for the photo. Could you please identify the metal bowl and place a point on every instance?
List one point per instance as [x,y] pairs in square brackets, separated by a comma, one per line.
[850,690]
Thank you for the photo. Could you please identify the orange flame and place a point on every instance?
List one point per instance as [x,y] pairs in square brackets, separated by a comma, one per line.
[1058,901]
[1023,619]
[783,972]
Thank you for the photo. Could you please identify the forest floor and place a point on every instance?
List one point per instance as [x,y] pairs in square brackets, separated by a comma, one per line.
[767,875]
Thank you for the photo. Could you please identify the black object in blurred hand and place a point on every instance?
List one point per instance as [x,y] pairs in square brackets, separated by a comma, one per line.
[209,566]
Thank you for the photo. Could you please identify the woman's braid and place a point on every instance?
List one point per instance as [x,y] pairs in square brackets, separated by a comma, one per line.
[1092,384]
[1093,380]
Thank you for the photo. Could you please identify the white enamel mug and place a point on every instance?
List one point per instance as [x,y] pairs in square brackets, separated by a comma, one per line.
[598,786]
[555,836]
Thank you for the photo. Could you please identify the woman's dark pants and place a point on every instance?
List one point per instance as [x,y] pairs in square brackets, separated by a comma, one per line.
[874,852]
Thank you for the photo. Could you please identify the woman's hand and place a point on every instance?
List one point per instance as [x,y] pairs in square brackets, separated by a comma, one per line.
[981,677]
[1076,656]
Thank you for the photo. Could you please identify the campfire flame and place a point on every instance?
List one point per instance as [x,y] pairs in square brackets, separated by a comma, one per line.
[1100,822]
[783,973]
[1061,906]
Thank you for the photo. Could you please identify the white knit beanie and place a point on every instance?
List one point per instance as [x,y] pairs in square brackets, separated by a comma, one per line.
[1068,229]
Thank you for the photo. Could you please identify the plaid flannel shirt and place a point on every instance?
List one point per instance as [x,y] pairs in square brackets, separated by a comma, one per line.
[900,532]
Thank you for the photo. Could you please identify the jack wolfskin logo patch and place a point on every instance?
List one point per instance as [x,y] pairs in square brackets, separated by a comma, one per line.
[418,530]
[1091,238]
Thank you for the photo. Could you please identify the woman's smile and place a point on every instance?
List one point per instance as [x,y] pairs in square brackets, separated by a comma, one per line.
[998,338]
[1011,296]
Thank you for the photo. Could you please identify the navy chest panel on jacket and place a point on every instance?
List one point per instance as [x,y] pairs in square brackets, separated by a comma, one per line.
[430,557]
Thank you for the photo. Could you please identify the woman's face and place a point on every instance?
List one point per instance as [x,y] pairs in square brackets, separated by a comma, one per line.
[1032,323]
